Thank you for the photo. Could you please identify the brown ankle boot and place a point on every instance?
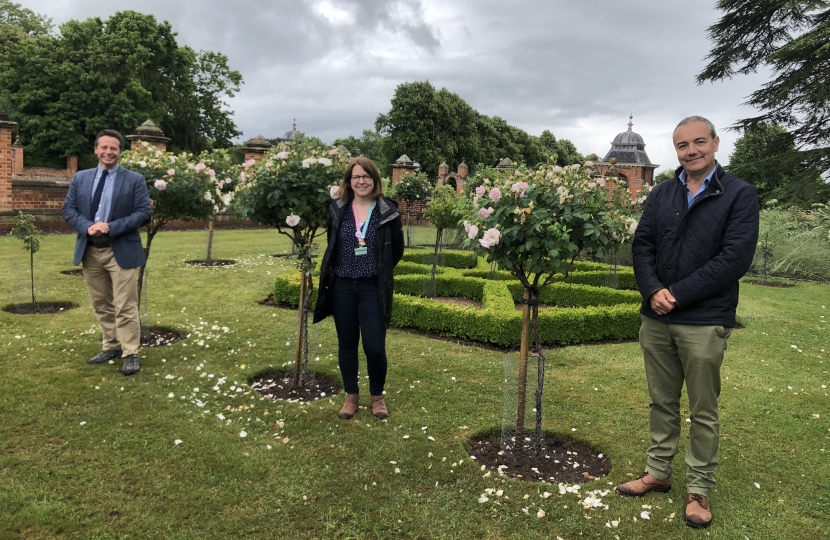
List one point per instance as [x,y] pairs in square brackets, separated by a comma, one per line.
[379,407]
[698,511]
[350,407]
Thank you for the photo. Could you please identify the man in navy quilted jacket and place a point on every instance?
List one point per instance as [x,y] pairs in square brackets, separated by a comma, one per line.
[696,239]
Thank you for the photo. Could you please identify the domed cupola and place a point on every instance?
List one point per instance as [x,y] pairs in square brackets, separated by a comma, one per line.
[628,147]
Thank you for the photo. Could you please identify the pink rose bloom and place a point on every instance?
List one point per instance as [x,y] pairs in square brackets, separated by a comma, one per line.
[292,221]
[282,155]
[472,232]
[171,172]
[226,198]
[160,185]
[480,191]
[172,159]
[556,169]
[248,163]
[334,191]
[228,181]
[484,213]
[467,226]
[601,182]
[201,167]
[333,151]
[211,172]
[495,194]
[520,188]
[491,238]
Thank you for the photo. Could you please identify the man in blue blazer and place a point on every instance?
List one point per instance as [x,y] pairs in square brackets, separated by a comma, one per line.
[107,205]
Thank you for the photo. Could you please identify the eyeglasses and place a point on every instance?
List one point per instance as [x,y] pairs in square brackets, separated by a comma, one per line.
[365,177]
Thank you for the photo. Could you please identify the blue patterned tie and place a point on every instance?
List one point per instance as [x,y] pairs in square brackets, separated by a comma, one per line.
[96,198]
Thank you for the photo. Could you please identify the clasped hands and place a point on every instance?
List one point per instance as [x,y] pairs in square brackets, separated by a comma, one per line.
[98,229]
[662,301]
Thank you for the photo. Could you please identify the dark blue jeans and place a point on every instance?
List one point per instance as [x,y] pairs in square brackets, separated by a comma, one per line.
[355,305]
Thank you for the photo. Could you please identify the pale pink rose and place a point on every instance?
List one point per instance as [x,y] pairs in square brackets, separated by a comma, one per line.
[248,163]
[282,155]
[142,163]
[228,181]
[201,166]
[491,238]
[211,172]
[557,169]
[173,159]
[171,172]
[333,152]
[472,232]
[589,163]
[484,213]
[575,166]
[601,182]
[480,191]
[467,226]
[226,198]
[334,191]
[495,194]
[160,185]
[308,162]
[520,188]
[292,220]
[324,161]
[592,185]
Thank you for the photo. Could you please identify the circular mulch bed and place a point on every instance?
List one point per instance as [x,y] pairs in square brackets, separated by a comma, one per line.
[566,461]
[214,262]
[272,302]
[40,308]
[283,255]
[159,336]
[76,273]
[279,385]
[776,284]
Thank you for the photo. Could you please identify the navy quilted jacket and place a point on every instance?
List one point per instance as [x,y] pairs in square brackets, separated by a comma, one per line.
[698,253]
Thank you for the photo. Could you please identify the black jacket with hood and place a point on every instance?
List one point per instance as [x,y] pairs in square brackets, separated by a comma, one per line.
[388,252]
[698,253]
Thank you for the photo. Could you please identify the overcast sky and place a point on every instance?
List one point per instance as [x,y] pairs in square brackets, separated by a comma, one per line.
[576,68]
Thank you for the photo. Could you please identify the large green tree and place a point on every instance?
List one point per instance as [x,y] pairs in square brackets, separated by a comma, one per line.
[434,125]
[63,88]
[789,37]
[766,156]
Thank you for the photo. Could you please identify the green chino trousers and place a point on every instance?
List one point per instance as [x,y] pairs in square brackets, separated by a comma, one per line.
[674,353]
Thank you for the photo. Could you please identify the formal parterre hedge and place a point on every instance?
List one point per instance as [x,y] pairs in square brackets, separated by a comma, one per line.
[579,309]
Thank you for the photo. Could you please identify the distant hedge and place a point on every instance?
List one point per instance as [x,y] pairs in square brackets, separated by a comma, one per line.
[580,310]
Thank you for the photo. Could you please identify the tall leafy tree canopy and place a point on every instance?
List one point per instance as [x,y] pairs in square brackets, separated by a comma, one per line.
[435,125]
[766,156]
[791,38]
[63,88]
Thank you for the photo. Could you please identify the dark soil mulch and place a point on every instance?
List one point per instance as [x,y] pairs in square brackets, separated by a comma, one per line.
[566,460]
[283,255]
[776,284]
[159,336]
[272,302]
[214,262]
[76,273]
[279,385]
[40,308]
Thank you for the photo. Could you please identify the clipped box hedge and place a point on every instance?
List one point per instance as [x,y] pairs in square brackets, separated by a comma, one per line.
[584,309]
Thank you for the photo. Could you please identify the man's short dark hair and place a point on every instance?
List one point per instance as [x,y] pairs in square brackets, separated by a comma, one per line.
[690,119]
[111,133]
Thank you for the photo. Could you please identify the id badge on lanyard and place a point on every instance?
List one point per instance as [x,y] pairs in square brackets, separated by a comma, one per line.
[361,249]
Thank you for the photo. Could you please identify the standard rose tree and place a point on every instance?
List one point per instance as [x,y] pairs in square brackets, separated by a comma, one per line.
[411,189]
[535,223]
[291,189]
[181,187]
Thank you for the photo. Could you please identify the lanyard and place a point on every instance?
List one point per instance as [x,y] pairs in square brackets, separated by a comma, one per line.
[361,234]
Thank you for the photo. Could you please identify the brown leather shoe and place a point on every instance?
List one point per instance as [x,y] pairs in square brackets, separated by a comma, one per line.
[698,512]
[379,407]
[350,407]
[642,485]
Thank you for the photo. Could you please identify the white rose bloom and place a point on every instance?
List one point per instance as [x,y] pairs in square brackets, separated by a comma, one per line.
[292,220]
[208,196]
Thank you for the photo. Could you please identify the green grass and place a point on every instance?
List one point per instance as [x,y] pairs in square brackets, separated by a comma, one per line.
[121,475]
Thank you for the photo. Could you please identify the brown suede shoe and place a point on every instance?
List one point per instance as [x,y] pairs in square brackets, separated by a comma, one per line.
[642,485]
[350,407]
[379,407]
[698,512]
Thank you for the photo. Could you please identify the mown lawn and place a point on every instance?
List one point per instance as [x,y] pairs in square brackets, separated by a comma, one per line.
[88,453]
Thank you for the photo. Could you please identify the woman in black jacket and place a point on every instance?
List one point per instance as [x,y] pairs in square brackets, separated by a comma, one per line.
[365,242]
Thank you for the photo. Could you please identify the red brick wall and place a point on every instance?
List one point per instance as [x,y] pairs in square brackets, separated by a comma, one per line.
[6,166]
[417,212]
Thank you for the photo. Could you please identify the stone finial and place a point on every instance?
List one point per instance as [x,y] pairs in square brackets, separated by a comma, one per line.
[444,165]
[149,132]
[463,165]
[259,142]
[404,161]
[505,163]
[17,143]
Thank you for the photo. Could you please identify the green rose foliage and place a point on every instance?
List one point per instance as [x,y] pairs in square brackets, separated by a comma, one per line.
[536,222]
[443,210]
[291,189]
[413,187]
[26,230]
[180,185]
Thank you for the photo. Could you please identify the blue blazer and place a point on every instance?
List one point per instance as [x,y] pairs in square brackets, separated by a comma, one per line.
[131,208]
